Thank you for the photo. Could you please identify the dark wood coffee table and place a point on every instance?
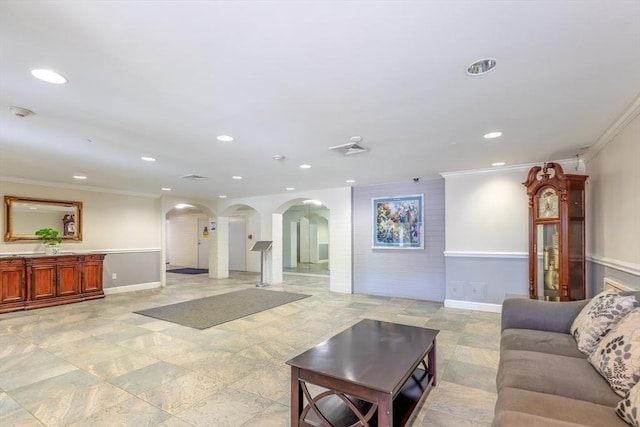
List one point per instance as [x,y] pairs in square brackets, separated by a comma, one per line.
[372,374]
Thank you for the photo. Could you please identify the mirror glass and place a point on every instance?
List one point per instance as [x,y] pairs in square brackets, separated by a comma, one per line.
[23,216]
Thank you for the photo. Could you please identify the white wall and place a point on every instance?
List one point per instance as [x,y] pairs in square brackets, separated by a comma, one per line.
[613,201]
[613,218]
[486,211]
[109,221]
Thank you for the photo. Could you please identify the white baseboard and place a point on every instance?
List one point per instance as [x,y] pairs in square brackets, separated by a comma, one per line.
[470,305]
[131,288]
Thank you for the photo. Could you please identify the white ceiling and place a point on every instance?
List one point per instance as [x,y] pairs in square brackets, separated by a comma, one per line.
[163,78]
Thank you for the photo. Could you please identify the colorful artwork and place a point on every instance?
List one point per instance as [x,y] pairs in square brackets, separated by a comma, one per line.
[397,222]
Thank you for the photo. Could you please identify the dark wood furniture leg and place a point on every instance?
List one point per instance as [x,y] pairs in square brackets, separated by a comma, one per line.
[296,396]
[385,410]
[431,358]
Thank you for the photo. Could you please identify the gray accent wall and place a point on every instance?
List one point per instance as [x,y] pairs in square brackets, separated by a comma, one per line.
[596,272]
[131,268]
[486,279]
[405,273]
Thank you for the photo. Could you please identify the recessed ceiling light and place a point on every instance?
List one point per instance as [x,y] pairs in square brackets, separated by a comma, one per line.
[148,159]
[498,164]
[290,188]
[277,157]
[165,189]
[49,76]
[492,135]
[79,177]
[350,181]
[183,206]
[305,166]
[481,67]
[236,177]
[222,196]
[224,138]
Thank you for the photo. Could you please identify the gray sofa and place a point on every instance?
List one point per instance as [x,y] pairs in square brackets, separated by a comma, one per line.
[543,379]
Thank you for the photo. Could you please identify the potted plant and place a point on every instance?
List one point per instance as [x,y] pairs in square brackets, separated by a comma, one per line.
[51,239]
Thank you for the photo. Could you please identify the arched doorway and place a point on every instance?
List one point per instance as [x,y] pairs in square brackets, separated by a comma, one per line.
[188,232]
[305,237]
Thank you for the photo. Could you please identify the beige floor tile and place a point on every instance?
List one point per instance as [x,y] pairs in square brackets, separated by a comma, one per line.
[100,363]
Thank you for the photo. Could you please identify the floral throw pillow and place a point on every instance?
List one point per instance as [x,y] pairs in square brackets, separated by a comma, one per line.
[598,317]
[617,356]
[629,408]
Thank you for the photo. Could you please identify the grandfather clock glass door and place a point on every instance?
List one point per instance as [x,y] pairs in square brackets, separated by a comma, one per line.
[548,272]
[556,234]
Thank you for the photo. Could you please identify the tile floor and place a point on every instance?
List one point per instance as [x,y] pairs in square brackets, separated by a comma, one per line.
[96,363]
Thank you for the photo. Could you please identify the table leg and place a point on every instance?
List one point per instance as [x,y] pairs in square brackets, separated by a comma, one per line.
[296,397]
[432,362]
[385,410]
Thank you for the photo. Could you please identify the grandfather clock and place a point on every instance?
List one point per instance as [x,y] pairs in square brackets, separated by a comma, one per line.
[556,233]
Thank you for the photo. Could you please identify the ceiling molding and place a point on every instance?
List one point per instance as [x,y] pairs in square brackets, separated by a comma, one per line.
[618,126]
[76,187]
[565,163]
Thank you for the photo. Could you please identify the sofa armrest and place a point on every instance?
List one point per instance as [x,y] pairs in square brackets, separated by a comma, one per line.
[523,313]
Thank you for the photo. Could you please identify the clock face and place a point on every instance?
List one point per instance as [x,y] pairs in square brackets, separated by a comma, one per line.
[548,204]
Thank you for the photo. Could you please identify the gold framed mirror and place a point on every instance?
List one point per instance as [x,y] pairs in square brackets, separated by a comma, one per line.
[23,216]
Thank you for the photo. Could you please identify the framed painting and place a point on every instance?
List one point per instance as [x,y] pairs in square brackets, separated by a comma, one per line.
[398,222]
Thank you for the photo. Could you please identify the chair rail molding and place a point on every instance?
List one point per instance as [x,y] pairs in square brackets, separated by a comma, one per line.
[485,254]
[627,267]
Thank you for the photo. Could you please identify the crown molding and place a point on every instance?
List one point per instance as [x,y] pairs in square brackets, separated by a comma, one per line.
[565,163]
[75,187]
[618,126]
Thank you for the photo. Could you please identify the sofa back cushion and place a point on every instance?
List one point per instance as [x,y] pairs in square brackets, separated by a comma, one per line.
[617,356]
[597,318]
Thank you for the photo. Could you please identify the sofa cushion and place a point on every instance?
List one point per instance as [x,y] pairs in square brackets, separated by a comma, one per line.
[540,341]
[629,408]
[555,374]
[524,313]
[617,356]
[522,419]
[597,318]
[540,409]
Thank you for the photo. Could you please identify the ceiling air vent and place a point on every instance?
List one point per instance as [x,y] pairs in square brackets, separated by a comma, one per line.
[194,177]
[351,147]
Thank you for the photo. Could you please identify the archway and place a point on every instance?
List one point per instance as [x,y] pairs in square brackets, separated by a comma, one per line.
[187,238]
[305,236]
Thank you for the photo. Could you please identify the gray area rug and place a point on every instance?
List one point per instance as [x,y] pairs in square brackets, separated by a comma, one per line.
[204,313]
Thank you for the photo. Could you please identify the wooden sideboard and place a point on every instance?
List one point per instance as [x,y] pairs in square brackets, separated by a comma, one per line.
[35,281]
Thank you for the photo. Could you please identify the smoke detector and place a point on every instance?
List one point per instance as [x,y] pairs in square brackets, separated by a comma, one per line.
[352,147]
[21,112]
[194,177]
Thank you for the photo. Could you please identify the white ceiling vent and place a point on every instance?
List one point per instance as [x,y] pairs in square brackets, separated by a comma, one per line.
[351,147]
[194,177]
